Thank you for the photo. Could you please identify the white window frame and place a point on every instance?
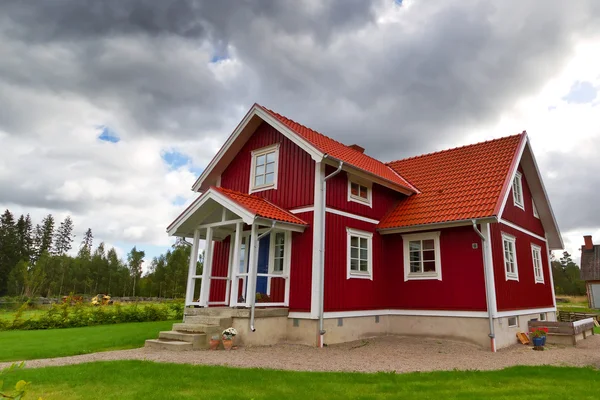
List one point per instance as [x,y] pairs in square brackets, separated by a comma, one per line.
[537,249]
[287,252]
[435,236]
[518,191]
[357,199]
[543,317]
[259,152]
[535,211]
[363,235]
[510,276]
[515,325]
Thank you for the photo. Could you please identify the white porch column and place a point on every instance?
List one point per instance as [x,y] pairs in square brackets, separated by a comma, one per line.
[235,265]
[189,292]
[253,268]
[206,270]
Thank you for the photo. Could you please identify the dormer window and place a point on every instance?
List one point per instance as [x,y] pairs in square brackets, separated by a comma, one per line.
[359,191]
[517,189]
[263,173]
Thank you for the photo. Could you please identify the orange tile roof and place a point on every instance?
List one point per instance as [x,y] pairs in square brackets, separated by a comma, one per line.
[457,184]
[259,206]
[342,152]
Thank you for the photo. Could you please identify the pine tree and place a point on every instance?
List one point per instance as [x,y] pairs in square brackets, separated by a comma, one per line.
[25,238]
[43,236]
[64,237]
[9,251]
[85,248]
[135,258]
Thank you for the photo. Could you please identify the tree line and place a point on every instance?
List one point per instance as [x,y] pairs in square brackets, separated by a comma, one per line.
[37,261]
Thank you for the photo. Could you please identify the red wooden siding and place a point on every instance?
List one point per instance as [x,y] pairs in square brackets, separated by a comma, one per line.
[462,285]
[220,267]
[296,170]
[524,293]
[337,197]
[518,216]
[301,266]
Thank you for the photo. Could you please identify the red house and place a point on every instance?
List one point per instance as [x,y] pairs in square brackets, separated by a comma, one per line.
[312,241]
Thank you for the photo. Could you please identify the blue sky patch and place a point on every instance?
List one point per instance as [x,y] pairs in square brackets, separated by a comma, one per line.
[175,159]
[179,201]
[107,135]
[581,92]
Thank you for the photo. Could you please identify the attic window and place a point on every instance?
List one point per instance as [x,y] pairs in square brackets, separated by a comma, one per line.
[535,211]
[263,172]
[517,187]
[359,191]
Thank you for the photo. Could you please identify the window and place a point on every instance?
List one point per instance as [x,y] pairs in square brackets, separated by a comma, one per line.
[538,272]
[263,173]
[278,252]
[535,212]
[510,257]
[359,191]
[422,256]
[360,254]
[542,316]
[513,322]
[517,189]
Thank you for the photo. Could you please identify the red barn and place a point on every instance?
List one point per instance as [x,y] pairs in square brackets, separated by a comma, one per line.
[312,241]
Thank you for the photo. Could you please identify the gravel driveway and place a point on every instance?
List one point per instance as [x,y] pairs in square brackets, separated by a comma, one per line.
[390,353]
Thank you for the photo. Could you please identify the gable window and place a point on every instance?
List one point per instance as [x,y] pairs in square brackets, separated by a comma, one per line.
[263,173]
[422,256]
[538,272]
[535,211]
[359,191]
[517,189]
[511,270]
[359,254]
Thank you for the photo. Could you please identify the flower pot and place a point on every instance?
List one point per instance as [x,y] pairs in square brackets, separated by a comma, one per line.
[227,344]
[538,341]
[543,340]
[214,344]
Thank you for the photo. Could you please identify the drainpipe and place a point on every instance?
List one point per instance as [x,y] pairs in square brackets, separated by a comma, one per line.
[485,244]
[322,249]
[253,297]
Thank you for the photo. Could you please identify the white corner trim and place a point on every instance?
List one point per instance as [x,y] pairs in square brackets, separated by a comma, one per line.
[491,280]
[523,230]
[435,236]
[316,245]
[350,215]
[302,210]
[551,277]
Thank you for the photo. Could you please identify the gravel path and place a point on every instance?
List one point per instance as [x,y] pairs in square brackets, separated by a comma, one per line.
[390,353]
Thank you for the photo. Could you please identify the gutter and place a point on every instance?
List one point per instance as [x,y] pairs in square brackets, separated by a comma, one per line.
[322,250]
[253,298]
[485,245]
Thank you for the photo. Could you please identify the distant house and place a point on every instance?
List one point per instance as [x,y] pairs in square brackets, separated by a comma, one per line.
[454,243]
[590,270]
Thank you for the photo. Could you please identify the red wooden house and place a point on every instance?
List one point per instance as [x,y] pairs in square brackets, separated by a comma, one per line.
[343,246]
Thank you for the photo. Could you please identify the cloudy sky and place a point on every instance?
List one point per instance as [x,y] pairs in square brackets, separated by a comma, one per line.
[109,109]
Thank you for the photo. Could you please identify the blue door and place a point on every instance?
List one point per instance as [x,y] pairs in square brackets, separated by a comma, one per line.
[263,264]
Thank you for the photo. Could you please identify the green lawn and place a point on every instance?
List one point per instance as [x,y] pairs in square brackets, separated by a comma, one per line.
[29,345]
[9,315]
[148,380]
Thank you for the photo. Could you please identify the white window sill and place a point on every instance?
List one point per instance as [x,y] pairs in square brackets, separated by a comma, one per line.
[358,275]
[422,277]
[360,200]
[262,188]
[521,206]
[539,281]
[512,278]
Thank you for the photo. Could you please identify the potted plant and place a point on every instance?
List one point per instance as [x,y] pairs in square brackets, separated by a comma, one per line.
[263,298]
[228,335]
[214,342]
[538,337]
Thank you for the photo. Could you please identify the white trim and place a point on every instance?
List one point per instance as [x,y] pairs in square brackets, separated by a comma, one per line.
[349,215]
[437,225]
[583,322]
[513,313]
[510,276]
[491,280]
[534,208]
[350,233]
[551,278]
[519,193]
[535,248]
[191,283]
[302,210]
[207,268]
[235,264]
[364,183]
[512,177]
[221,223]
[435,236]
[517,227]
[316,245]
[263,152]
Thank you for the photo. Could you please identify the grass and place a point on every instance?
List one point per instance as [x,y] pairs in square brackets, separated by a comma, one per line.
[574,304]
[29,345]
[148,380]
[9,315]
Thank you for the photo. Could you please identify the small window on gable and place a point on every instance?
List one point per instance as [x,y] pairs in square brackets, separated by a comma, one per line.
[511,270]
[517,189]
[535,211]
[538,272]
[360,254]
[359,191]
[422,256]
[263,172]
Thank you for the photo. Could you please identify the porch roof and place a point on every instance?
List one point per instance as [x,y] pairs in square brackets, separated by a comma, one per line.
[220,206]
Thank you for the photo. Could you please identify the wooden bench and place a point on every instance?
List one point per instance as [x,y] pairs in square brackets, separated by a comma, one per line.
[572,331]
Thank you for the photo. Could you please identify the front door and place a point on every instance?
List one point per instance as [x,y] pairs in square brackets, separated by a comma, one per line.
[263,264]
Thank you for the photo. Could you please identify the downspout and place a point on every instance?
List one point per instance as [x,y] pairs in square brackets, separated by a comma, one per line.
[485,244]
[253,298]
[322,249]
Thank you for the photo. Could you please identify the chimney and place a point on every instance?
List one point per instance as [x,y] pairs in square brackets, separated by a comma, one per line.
[588,245]
[357,148]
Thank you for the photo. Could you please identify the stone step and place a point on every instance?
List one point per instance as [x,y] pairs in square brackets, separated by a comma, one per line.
[198,328]
[173,345]
[198,340]
[224,322]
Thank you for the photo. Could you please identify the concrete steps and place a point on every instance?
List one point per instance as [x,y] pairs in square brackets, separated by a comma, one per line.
[208,320]
[198,340]
[173,345]
[197,328]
